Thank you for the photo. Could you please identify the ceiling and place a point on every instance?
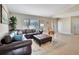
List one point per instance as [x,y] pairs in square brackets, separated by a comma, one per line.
[46,10]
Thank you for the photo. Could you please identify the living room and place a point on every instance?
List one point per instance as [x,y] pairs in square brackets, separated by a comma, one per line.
[41,29]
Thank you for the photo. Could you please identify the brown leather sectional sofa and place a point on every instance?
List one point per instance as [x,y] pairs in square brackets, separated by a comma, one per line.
[16,48]
[30,32]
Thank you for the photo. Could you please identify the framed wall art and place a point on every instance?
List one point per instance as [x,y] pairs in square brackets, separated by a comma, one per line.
[0,13]
[4,16]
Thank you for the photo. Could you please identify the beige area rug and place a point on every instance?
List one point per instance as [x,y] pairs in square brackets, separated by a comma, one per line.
[47,48]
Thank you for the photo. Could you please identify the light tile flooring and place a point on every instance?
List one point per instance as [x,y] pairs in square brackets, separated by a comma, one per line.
[61,44]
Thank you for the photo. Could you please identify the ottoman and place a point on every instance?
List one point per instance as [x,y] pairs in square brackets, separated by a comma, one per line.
[42,38]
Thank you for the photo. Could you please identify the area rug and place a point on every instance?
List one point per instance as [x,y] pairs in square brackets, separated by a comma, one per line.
[46,48]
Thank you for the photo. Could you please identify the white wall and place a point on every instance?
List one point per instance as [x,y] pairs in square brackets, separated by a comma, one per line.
[20,20]
[21,17]
[3,27]
[64,25]
[3,30]
[75,24]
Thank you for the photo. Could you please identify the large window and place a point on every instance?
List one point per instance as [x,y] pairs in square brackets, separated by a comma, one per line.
[33,24]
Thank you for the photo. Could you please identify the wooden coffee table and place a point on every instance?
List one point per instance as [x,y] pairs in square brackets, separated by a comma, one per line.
[42,38]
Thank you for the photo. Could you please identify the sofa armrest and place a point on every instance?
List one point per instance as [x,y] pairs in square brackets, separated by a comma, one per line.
[15,45]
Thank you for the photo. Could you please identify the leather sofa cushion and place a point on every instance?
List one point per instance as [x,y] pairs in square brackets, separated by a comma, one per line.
[19,51]
[30,31]
[7,39]
[15,45]
[16,48]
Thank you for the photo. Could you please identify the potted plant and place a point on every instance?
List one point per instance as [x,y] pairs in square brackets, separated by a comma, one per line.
[12,23]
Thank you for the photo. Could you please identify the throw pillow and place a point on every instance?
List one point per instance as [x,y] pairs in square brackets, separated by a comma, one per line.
[19,32]
[18,37]
[13,34]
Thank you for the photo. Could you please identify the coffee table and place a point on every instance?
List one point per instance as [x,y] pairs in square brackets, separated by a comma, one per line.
[42,38]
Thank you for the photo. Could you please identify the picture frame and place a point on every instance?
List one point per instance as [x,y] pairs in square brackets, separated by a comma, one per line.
[4,16]
[0,13]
